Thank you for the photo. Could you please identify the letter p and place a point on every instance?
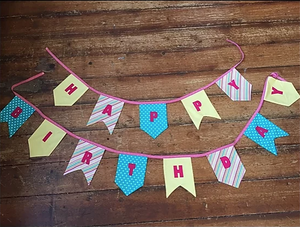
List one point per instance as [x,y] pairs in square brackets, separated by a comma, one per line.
[153,115]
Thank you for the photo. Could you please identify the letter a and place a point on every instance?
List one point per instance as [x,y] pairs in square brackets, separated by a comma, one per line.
[261,131]
[107,110]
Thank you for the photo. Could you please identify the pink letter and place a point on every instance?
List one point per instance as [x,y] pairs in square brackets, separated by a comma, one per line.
[16,112]
[131,167]
[197,105]
[70,89]
[275,91]
[233,84]
[226,162]
[107,110]
[47,136]
[261,131]
[178,170]
[87,157]
[153,115]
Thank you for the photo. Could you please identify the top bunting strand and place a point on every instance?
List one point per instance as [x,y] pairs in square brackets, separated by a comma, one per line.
[275,75]
[70,87]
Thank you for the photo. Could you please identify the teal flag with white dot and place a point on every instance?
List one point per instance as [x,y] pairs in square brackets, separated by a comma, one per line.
[153,119]
[131,171]
[15,114]
[264,132]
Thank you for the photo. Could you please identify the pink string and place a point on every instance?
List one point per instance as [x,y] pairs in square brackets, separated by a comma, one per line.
[148,102]
[275,75]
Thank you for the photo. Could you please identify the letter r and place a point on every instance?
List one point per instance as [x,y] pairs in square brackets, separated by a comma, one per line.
[87,157]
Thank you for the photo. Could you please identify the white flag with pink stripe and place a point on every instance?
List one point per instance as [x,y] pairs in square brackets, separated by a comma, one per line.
[86,157]
[107,110]
[227,166]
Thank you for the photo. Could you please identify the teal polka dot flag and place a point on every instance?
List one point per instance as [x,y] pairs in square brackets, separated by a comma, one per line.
[264,132]
[153,119]
[15,114]
[131,172]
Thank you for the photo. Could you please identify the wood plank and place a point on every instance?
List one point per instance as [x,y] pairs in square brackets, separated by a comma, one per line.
[164,41]
[275,219]
[33,211]
[265,55]
[76,117]
[39,91]
[151,204]
[23,9]
[115,22]
[40,178]
[184,139]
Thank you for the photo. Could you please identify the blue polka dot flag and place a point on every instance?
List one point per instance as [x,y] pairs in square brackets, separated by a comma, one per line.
[15,114]
[131,171]
[153,119]
[264,132]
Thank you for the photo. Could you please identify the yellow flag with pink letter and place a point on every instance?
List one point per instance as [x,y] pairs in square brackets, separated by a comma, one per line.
[198,105]
[45,139]
[179,172]
[68,91]
[281,92]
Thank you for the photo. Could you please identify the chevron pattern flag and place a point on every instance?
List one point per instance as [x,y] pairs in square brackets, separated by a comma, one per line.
[227,166]
[235,86]
[86,157]
[107,110]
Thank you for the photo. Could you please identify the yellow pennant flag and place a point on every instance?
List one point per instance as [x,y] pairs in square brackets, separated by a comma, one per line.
[45,139]
[198,106]
[179,172]
[68,91]
[281,92]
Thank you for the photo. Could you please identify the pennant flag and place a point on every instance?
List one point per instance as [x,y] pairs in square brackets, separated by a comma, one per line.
[86,157]
[153,119]
[45,139]
[264,132]
[179,172]
[131,172]
[68,91]
[235,86]
[15,114]
[107,110]
[198,106]
[281,92]
[227,166]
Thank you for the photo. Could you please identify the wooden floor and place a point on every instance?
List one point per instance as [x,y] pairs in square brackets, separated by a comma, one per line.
[149,51]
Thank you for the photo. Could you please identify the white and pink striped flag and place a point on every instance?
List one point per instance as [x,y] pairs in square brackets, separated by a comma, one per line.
[235,86]
[86,157]
[227,166]
[107,110]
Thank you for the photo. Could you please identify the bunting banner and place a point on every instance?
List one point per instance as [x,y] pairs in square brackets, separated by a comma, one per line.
[45,139]
[15,114]
[131,168]
[68,91]
[86,158]
[153,119]
[107,110]
[264,132]
[281,92]
[227,166]
[198,105]
[235,86]
[131,171]
[178,172]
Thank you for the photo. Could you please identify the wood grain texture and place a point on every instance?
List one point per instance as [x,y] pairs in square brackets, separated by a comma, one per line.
[149,51]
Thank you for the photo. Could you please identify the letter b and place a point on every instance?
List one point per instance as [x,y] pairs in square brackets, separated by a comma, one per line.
[16,112]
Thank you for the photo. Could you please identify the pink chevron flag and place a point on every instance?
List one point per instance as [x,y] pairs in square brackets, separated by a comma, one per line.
[107,110]
[227,166]
[86,157]
[235,86]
